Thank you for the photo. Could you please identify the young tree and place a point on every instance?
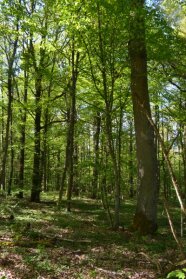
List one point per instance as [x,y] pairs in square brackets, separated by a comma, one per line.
[10,47]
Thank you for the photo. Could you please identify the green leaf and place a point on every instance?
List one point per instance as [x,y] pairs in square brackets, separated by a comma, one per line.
[177,273]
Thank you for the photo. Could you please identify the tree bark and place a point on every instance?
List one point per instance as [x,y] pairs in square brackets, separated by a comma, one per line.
[45,153]
[71,120]
[9,190]
[39,69]
[71,128]
[145,219]
[9,111]
[97,125]
[130,162]
[36,176]
[23,135]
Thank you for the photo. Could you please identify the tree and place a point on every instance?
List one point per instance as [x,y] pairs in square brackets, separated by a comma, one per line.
[10,52]
[145,219]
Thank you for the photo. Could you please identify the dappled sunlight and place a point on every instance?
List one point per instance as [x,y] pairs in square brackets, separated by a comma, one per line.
[43,242]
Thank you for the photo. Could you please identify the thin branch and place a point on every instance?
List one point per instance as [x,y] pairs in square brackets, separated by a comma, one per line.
[177,86]
[180,246]
[165,153]
[52,122]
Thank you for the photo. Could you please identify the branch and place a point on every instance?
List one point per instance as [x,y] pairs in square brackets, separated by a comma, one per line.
[173,230]
[177,86]
[52,122]
[165,153]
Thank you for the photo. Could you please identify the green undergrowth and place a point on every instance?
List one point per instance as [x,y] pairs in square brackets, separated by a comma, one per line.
[44,240]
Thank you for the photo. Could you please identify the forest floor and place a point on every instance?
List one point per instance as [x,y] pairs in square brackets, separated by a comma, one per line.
[43,242]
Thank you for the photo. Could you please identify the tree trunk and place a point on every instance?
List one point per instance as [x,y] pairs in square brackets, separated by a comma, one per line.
[97,125]
[71,120]
[145,219]
[39,69]
[71,127]
[36,176]
[9,190]
[45,151]
[9,111]
[7,131]
[183,145]
[23,136]
[130,163]
[108,95]
[76,178]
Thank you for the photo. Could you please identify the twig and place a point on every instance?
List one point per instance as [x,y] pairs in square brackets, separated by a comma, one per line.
[152,260]
[180,246]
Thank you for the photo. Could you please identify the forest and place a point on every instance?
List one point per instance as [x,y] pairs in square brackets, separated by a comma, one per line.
[92,139]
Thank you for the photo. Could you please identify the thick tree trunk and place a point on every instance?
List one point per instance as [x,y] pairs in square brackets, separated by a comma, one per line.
[145,219]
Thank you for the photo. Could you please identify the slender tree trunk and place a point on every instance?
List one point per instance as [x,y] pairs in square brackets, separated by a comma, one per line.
[36,177]
[145,219]
[97,125]
[23,136]
[2,122]
[64,174]
[184,159]
[183,154]
[131,164]
[119,147]
[58,176]
[45,151]
[9,111]
[9,190]
[115,168]
[71,120]
[76,179]
[6,140]
[103,183]
[108,98]
[38,68]
[75,62]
